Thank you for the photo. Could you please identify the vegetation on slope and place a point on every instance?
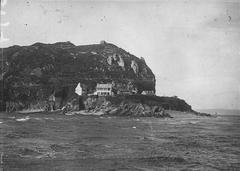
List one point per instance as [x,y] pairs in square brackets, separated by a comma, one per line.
[32,73]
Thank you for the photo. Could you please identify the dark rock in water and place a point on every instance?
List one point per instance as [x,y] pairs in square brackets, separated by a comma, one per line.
[32,73]
[202,114]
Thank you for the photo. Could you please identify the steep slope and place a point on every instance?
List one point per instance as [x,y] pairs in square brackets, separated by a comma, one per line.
[30,74]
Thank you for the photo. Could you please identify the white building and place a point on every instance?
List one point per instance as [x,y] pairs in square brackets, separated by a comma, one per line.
[148,93]
[78,89]
[104,89]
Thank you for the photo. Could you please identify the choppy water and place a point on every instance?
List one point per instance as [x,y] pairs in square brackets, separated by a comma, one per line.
[59,142]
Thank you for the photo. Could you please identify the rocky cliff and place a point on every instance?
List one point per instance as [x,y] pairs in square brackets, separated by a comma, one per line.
[30,74]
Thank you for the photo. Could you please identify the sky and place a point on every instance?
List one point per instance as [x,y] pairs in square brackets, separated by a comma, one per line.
[192,47]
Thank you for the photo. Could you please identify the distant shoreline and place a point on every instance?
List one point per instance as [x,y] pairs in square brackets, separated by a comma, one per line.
[221,111]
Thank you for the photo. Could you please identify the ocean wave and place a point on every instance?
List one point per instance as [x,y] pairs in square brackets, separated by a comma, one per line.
[23,119]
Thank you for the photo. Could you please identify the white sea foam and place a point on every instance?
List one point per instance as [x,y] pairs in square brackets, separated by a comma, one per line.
[70,113]
[193,122]
[49,118]
[23,119]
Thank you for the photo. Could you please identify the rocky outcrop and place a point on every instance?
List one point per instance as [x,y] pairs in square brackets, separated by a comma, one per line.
[136,105]
[142,58]
[120,106]
[134,66]
[121,62]
[115,59]
[136,110]
[110,60]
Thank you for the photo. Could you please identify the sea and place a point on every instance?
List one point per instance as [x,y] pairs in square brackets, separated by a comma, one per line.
[53,141]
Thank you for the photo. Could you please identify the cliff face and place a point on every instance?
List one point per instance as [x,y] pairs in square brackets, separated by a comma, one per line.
[30,74]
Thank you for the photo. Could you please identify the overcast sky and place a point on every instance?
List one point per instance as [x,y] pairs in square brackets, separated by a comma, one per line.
[193,47]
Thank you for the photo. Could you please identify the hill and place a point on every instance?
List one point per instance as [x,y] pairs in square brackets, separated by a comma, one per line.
[30,74]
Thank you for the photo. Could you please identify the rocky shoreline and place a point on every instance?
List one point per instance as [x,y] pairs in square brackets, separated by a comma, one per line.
[133,110]
[137,106]
[129,106]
